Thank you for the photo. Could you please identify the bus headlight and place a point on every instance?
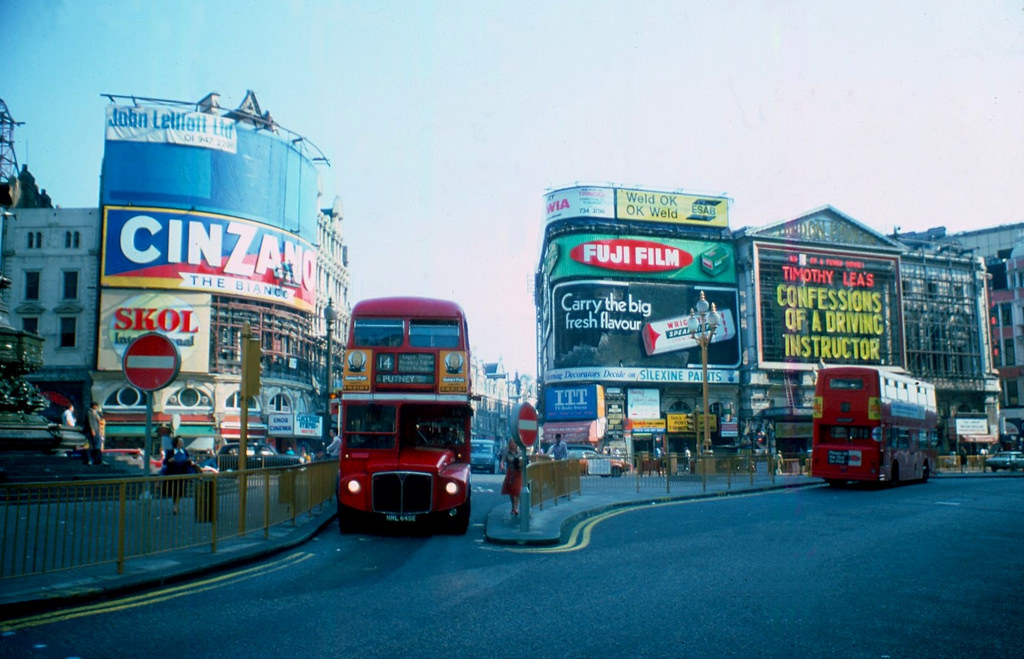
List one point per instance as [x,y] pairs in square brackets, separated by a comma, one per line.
[354,487]
[451,487]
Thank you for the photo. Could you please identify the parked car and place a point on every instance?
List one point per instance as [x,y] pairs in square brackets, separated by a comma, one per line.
[1012,460]
[585,454]
[485,455]
[258,455]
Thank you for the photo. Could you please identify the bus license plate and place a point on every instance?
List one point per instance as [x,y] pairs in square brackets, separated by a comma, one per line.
[394,517]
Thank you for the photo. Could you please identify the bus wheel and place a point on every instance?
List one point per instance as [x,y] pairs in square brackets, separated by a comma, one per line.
[346,519]
[459,522]
[835,482]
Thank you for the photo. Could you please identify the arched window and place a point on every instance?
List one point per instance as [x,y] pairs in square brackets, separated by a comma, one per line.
[280,403]
[125,397]
[232,403]
[188,397]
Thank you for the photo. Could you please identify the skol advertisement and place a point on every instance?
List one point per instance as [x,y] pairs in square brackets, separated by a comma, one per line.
[183,317]
[831,307]
[641,332]
[157,248]
[664,259]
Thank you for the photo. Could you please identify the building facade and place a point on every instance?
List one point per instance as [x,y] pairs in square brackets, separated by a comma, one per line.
[621,271]
[209,226]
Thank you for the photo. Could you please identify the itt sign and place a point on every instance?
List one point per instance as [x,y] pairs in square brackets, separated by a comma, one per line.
[151,362]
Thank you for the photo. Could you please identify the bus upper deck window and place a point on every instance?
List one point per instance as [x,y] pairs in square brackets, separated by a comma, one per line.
[434,333]
[378,332]
[846,383]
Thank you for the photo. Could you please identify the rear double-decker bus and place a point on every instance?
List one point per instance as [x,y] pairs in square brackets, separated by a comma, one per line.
[406,414]
[873,425]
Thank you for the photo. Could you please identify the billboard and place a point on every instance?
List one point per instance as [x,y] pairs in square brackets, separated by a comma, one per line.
[169,156]
[638,332]
[183,317]
[828,306]
[640,257]
[636,205]
[183,250]
[168,125]
[579,403]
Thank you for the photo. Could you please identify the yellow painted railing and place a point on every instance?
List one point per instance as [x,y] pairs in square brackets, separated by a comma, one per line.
[58,526]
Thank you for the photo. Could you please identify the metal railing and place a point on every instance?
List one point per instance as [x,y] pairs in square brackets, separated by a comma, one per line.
[59,526]
[550,480]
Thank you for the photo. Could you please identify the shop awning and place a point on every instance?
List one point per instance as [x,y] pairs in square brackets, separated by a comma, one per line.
[139,430]
[575,432]
[979,439]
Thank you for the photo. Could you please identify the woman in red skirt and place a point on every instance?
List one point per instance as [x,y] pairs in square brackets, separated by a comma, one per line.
[513,483]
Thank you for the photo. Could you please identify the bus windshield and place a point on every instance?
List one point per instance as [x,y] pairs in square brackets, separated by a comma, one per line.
[433,426]
[370,426]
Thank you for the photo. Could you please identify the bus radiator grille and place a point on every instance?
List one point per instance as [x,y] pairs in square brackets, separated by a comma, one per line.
[402,492]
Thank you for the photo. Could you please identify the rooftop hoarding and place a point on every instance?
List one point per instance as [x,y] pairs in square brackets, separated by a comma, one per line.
[192,251]
[636,204]
[636,257]
[172,157]
[608,330]
[832,307]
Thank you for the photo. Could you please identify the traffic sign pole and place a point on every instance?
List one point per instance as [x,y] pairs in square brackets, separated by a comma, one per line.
[150,362]
[524,416]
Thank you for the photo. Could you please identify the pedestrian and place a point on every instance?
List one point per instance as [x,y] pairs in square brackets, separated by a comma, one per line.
[177,462]
[963,459]
[559,451]
[513,483]
[68,417]
[334,448]
[97,428]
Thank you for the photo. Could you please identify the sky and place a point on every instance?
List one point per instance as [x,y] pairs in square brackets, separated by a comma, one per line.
[446,122]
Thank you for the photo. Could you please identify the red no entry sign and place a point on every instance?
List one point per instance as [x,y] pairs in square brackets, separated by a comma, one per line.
[151,362]
[526,424]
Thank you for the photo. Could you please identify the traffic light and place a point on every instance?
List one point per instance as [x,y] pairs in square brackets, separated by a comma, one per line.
[252,367]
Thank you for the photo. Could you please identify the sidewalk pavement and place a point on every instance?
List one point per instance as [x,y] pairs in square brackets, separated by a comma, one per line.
[21,596]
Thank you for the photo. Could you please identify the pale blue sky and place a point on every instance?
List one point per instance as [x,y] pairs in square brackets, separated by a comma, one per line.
[445,122]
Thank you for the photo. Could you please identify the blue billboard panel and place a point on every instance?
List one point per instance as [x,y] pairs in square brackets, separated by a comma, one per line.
[158,157]
[581,403]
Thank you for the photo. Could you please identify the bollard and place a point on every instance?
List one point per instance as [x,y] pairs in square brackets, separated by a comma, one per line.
[524,508]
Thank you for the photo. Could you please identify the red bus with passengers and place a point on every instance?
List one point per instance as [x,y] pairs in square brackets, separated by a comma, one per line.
[873,425]
[406,414]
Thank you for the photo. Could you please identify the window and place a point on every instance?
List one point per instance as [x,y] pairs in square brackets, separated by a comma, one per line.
[280,403]
[72,239]
[70,284]
[32,285]
[35,239]
[434,334]
[370,332]
[68,330]
[234,400]
[846,383]
[125,397]
[30,324]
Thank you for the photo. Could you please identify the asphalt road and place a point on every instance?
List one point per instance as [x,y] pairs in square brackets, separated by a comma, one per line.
[933,570]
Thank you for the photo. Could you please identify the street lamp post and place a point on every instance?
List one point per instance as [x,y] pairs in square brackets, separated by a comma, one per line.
[701,325]
[330,315]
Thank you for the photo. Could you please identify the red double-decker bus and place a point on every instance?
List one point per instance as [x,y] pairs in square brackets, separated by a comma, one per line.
[873,425]
[406,414]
